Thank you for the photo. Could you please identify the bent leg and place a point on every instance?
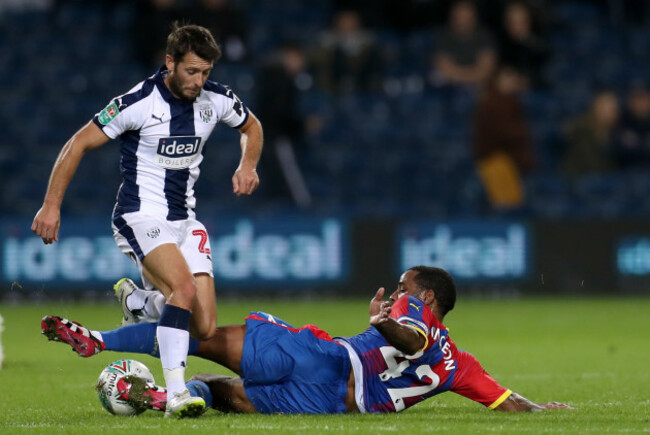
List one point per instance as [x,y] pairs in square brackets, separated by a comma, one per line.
[225,347]
[204,309]
[137,338]
[167,265]
[204,306]
[228,393]
[166,268]
[195,247]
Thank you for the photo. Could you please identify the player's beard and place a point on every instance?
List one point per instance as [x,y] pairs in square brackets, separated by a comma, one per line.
[176,87]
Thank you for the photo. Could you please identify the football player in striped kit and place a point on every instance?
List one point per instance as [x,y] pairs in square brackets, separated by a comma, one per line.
[163,124]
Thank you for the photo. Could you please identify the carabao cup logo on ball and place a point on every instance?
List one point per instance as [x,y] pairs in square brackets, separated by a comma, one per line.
[109,391]
[177,152]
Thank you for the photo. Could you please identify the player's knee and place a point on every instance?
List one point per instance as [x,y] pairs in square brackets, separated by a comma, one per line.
[183,293]
[206,330]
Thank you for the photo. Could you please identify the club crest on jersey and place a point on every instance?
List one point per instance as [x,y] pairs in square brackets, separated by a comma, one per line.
[177,152]
[153,233]
[205,111]
[109,112]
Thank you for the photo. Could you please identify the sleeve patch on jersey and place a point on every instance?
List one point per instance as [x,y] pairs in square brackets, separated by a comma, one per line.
[108,114]
[426,339]
[409,321]
[501,399]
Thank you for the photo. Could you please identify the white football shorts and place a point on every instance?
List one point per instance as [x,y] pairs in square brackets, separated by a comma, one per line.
[138,233]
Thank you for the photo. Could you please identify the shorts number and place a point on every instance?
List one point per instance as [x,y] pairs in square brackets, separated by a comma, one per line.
[204,239]
[395,369]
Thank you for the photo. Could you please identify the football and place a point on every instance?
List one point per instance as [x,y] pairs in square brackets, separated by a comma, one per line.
[107,389]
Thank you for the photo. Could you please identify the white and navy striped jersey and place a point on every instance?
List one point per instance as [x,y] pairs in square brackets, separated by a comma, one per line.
[162,142]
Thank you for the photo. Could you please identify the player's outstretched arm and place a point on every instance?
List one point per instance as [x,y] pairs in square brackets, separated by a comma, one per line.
[48,219]
[226,393]
[245,180]
[401,337]
[518,403]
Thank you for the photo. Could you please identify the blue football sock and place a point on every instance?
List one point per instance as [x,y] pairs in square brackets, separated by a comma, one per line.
[138,338]
[200,389]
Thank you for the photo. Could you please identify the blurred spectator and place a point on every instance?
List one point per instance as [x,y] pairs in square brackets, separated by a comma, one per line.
[633,135]
[465,52]
[371,13]
[589,137]
[347,59]
[520,48]
[502,144]
[227,23]
[278,106]
[155,18]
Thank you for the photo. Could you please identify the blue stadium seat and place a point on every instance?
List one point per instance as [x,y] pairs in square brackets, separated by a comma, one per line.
[576,12]
[416,137]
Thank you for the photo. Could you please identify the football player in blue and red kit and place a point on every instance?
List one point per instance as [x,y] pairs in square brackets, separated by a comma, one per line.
[403,358]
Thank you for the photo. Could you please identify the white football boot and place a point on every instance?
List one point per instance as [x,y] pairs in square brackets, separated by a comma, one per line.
[182,405]
[123,289]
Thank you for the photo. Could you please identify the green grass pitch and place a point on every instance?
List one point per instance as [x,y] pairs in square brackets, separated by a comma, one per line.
[593,354]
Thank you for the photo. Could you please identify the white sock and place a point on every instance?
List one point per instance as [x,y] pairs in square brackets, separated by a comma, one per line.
[173,344]
[150,302]
[137,298]
[97,335]
[174,380]
[154,305]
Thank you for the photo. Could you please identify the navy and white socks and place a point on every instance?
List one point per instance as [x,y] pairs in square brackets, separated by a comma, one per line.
[173,335]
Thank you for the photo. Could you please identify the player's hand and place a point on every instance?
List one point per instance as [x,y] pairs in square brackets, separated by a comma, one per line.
[245,181]
[46,224]
[555,405]
[379,309]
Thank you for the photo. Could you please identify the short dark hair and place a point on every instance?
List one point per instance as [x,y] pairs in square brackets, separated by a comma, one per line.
[441,282]
[188,38]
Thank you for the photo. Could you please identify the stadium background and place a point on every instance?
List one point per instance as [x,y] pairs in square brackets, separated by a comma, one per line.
[389,168]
